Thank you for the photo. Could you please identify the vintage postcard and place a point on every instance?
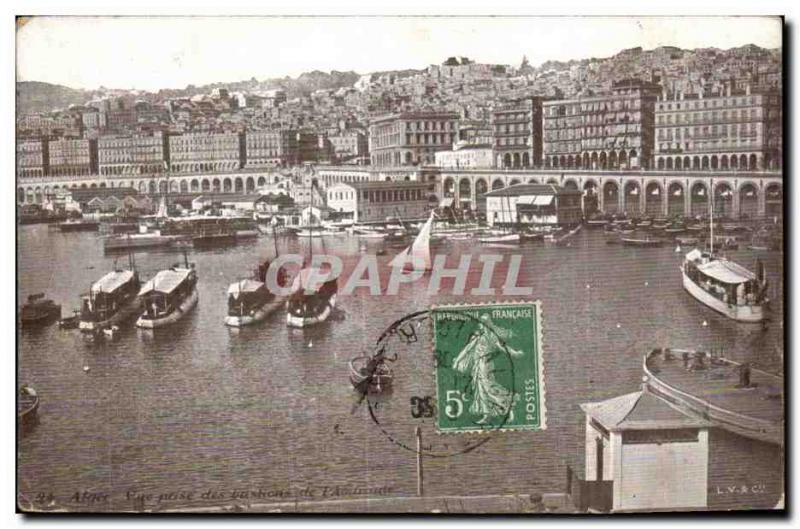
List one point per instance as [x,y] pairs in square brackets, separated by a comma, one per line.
[400,264]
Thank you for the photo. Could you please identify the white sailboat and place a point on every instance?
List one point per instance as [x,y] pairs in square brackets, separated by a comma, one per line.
[418,255]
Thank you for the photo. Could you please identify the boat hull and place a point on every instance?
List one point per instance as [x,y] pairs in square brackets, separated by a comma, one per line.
[258,315]
[126,311]
[743,313]
[300,321]
[186,305]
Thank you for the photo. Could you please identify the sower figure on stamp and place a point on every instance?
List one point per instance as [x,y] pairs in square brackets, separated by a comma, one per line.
[490,398]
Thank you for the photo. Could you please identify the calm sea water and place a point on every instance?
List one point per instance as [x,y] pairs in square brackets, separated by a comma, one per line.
[196,412]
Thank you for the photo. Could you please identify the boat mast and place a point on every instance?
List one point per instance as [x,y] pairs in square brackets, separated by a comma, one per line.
[711,216]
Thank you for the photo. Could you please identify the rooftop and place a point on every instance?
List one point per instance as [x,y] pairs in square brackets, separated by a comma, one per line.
[531,189]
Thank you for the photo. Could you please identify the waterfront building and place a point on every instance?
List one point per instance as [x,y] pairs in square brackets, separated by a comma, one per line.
[703,433]
[380,201]
[737,130]
[533,204]
[411,138]
[611,131]
[72,157]
[241,203]
[270,148]
[466,156]
[138,154]
[517,128]
[205,152]
[32,158]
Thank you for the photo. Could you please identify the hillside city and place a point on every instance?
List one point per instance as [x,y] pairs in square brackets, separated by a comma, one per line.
[613,113]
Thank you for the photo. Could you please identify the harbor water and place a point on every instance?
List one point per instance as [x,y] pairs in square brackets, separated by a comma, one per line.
[190,415]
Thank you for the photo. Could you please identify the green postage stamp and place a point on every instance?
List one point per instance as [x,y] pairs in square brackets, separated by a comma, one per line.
[488,360]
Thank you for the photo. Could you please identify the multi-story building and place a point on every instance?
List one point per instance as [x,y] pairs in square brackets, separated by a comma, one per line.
[732,131]
[32,158]
[349,146]
[72,157]
[66,125]
[611,131]
[270,148]
[380,201]
[131,155]
[411,138]
[518,133]
[205,152]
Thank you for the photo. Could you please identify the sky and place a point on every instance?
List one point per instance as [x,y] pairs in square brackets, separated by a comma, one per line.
[172,52]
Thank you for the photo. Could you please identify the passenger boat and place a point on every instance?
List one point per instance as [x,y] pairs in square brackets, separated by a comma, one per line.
[111,300]
[370,374]
[250,301]
[508,238]
[597,221]
[687,241]
[313,297]
[38,310]
[27,406]
[636,241]
[367,233]
[70,322]
[138,240]
[417,256]
[168,297]
[726,286]
[78,225]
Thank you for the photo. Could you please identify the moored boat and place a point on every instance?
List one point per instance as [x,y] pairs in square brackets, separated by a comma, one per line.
[641,241]
[313,297]
[726,286]
[250,301]
[370,374]
[78,225]
[168,297]
[509,238]
[138,240]
[27,406]
[38,310]
[112,299]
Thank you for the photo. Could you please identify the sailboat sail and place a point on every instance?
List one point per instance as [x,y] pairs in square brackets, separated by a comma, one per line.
[418,255]
[162,208]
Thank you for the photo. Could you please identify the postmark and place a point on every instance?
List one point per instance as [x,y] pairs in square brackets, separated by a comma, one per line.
[407,348]
[489,370]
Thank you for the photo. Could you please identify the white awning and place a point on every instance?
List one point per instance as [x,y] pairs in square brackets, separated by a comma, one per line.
[528,199]
[166,281]
[244,286]
[112,281]
[727,272]
[543,200]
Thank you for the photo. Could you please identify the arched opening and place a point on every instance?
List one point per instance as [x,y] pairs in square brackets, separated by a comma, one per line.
[687,163]
[261,182]
[661,164]
[678,164]
[743,162]
[571,184]
[250,184]
[632,198]
[194,185]
[506,160]
[705,162]
[675,200]
[142,187]
[623,160]
[611,197]
[594,162]
[773,200]
[449,187]
[184,186]
[533,180]
[103,185]
[20,195]
[162,187]
[669,163]
[612,160]
[464,191]
[696,163]
[205,185]
[723,162]
[653,200]
[586,161]
[514,181]
[93,186]
[238,185]
[603,160]
[555,162]
[723,200]
[526,160]
[633,159]
[734,162]
[227,185]
[215,185]
[698,201]
[552,181]
[748,201]
[497,184]
[151,187]
[714,162]
[570,161]
[173,186]
[753,162]
[517,160]
[589,198]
